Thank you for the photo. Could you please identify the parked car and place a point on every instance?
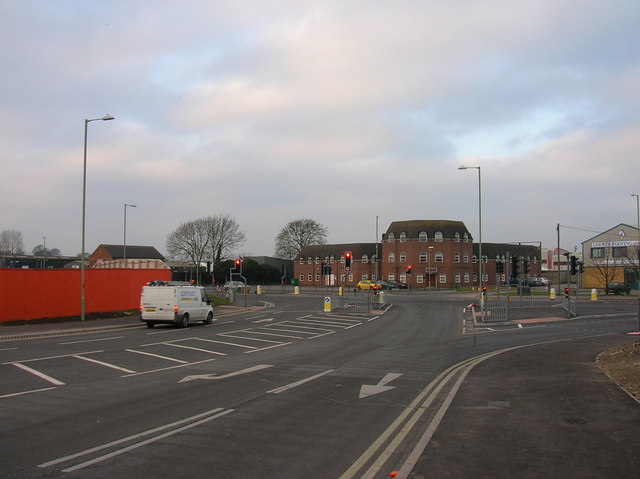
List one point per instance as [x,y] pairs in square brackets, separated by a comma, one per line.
[366,284]
[398,285]
[617,288]
[382,284]
[238,285]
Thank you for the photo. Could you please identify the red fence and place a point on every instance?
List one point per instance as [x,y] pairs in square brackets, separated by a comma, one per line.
[27,294]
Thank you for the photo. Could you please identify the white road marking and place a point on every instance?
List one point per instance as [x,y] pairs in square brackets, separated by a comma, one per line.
[22,393]
[39,374]
[225,376]
[157,356]
[92,340]
[208,416]
[298,383]
[108,365]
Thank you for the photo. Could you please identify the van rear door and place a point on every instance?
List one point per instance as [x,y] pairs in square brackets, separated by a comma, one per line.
[157,303]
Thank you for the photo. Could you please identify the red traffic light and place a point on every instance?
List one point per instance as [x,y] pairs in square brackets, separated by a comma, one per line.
[237,263]
[347,260]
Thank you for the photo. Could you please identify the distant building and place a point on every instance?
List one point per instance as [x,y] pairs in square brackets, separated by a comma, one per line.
[612,256]
[134,257]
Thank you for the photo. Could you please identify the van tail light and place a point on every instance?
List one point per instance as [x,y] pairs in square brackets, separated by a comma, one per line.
[175,308]
[141,308]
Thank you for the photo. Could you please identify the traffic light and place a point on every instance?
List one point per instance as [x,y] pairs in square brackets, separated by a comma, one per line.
[409,269]
[566,293]
[347,261]
[484,291]
[237,264]
[574,265]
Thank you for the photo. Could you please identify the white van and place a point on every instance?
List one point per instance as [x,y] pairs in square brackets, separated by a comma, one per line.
[164,302]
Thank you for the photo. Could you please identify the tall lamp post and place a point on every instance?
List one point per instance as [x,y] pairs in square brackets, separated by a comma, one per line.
[84,202]
[637,233]
[463,167]
[124,246]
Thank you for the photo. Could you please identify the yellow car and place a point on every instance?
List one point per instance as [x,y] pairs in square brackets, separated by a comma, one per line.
[367,284]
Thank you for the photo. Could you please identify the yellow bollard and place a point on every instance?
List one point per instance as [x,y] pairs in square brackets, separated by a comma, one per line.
[594,294]
[259,289]
[552,293]
[340,291]
[296,290]
[327,304]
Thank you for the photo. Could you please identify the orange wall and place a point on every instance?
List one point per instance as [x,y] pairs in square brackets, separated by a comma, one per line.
[27,294]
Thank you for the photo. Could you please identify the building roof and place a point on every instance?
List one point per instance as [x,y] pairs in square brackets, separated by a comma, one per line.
[413,228]
[337,250]
[492,250]
[116,251]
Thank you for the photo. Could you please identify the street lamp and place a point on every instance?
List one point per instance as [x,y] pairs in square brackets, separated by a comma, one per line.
[463,167]
[637,232]
[124,248]
[84,202]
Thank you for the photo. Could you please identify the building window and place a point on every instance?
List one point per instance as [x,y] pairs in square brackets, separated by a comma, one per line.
[443,278]
[439,257]
[317,259]
[619,251]
[456,238]
[391,277]
[403,237]
[302,277]
[391,238]
[326,259]
[317,277]
[465,237]
[332,259]
[365,276]
[475,259]
[301,260]
[403,257]
[419,278]
[392,258]
[403,278]
[365,258]
[597,252]
[466,277]
[456,257]
[423,257]
[310,277]
[422,237]
[438,237]
[475,277]
[457,278]
[465,258]
[350,277]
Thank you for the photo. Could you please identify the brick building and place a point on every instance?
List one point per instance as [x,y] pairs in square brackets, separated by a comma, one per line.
[440,253]
[308,266]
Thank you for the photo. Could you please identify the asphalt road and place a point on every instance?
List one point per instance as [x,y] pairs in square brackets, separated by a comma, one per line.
[284,392]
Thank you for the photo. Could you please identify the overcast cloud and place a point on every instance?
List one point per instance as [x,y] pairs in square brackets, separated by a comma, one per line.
[339,111]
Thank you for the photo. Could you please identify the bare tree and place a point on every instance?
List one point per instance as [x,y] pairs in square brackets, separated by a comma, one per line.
[224,236]
[296,235]
[11,242]
[190,241]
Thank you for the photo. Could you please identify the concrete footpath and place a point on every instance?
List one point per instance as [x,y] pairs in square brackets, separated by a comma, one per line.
[544,411]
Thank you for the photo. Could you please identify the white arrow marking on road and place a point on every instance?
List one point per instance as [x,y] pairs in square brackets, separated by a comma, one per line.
[224,376]
[370,390]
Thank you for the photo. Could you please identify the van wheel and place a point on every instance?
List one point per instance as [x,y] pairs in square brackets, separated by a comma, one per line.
[150,324]
[185,321]
[209,319]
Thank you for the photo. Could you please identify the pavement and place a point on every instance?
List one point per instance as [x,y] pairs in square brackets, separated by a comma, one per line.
[542,411]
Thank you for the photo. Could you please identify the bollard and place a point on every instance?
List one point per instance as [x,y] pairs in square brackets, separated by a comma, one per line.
[258,289]
[340,291]
[552,293]
[594,294]
[296,290]
[327,304]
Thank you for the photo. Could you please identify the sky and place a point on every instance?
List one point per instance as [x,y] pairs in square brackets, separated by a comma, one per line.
[351,113]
